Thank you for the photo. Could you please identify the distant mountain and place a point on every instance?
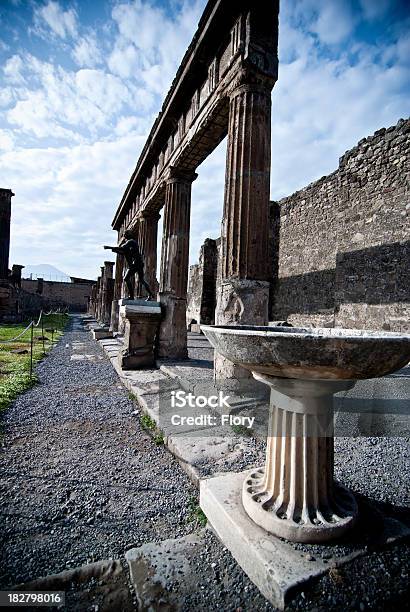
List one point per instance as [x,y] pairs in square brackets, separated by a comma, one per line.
[45,271]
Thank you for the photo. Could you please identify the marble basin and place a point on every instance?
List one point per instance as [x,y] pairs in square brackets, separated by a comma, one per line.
[311,353]
[294,495]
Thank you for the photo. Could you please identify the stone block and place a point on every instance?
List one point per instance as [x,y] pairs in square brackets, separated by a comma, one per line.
[101,333]
[141,320]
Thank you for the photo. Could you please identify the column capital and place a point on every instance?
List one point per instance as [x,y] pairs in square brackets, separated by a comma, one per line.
[152,215]
[248,79]
[180,175]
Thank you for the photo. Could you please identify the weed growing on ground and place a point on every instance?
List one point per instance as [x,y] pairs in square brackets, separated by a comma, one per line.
[149,425]
[241,430]
[195,514]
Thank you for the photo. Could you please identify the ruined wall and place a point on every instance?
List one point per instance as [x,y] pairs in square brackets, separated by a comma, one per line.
[56,294]
[343,255]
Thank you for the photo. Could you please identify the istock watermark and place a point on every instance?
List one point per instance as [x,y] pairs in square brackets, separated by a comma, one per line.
[209,409]
[180,399]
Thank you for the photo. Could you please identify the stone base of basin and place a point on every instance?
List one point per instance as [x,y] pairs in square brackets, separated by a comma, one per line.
[279,567]
[140,320]
[294,496]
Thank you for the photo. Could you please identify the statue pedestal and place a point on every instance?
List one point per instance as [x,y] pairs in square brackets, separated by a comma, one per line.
[140,321]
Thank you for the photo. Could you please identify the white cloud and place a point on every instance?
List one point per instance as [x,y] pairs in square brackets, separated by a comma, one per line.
[65,200]
[150,44]
[6,140]
[62,23]
[335,21]
[86,52]
[69,105]
[13,70]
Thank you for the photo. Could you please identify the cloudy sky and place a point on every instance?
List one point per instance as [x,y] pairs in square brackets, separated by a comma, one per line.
[82,81]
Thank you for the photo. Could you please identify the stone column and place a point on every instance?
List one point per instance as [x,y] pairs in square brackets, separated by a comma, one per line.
[100,294]
[147,240]
[107,292]
[119,274]
[243,296]
[5,216]
[174,264]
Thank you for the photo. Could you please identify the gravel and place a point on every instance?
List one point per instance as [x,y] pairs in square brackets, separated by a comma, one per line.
[81,481]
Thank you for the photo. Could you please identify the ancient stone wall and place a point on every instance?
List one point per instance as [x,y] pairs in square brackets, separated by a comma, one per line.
[339,248]
[56,294]
[343,255]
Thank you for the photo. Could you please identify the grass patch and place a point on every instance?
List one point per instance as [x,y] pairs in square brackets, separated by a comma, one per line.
[195,513]
[15,356]
[150,425]
[147,423]
[241,430]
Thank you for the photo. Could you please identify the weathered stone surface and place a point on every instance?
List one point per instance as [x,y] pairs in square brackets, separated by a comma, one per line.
[147,240]
[352,229]
[5,216]
[141,328]
[312,353]
[278,567]
[155,568]
[174,264]
[240,302]
[100,333]
[202,287]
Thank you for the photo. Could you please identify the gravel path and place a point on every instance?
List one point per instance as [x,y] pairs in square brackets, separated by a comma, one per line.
[79,479]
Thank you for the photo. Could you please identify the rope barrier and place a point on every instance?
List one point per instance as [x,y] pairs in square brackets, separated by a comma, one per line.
[31,327]
[17,337]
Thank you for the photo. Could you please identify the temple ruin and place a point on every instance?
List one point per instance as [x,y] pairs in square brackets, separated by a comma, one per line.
[222,87]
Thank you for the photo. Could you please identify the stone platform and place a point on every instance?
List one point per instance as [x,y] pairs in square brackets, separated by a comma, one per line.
[276,566]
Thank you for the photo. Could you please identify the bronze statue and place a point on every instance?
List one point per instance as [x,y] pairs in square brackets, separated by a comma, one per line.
[130,249]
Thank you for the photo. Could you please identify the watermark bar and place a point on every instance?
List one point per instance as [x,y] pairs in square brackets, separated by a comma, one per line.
[23,599]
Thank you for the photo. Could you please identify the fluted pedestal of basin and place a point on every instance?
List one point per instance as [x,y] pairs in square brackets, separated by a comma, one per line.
[295,496]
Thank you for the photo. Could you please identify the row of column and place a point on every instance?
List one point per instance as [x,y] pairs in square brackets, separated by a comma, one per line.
[102,294]
[244,291]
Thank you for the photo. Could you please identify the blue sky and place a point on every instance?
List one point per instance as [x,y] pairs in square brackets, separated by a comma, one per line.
[81,83]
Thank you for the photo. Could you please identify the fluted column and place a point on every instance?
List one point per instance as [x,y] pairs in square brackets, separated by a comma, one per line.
[5,216]
[119,273]
[175,264]
[245,268]
[147,234]
[295,496]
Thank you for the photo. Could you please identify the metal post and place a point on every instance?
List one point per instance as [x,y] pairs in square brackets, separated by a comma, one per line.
[31,350]
[42,334]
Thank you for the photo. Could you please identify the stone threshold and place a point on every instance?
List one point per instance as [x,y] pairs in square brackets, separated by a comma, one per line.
[201,450]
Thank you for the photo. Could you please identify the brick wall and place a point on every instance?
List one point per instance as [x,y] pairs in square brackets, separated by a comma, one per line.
[55,294]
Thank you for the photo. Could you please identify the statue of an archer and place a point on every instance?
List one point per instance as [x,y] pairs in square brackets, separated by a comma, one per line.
[130,249]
